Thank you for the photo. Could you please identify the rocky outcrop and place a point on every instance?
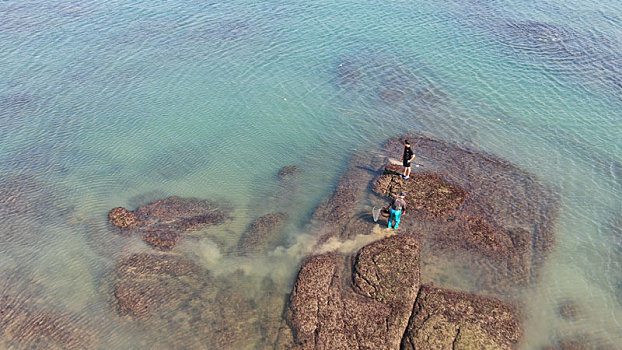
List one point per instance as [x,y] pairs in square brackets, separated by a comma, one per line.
[328,309]
[446,319]
[474,215]
[477,213]
[263,233]
[428,195]
[162,223]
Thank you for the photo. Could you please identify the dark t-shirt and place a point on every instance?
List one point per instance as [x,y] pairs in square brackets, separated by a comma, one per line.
[398,204]
[408,153]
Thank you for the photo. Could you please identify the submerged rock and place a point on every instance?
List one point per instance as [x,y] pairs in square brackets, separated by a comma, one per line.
[169,292]
[327,312]
[446,319]
[289,171]
[27,325]
[568,310]
[580,342]
[26,196]
[263,233]
[146,282]
[162,222]
[337,216]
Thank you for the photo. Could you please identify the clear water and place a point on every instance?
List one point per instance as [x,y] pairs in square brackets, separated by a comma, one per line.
[111,103]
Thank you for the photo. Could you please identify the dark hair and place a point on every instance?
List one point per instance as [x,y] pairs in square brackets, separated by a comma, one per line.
[406,142]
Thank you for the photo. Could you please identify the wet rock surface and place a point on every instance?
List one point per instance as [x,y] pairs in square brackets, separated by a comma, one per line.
[446,319]
[263,233]
[162,222]
[427,194]
[327,311]
[476,211]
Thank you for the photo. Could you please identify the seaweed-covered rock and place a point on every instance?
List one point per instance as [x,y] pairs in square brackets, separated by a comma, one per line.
[446,319]
[427,194]
[262,233]
[480,220]
[162,222]
[387,270]
[477,212]
[325,312]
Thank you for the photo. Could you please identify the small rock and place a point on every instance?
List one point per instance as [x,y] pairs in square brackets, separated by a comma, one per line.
[288,171]
[568,310]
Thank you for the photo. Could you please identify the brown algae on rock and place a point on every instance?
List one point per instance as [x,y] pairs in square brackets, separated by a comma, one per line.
[446,319]
[162,223]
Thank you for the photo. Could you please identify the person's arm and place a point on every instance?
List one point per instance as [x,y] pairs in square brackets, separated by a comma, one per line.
[412,157]
[390,204]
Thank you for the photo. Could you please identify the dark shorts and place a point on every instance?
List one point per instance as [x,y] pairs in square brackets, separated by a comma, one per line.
[406,164]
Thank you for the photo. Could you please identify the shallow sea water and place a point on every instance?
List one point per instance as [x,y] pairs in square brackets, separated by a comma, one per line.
[118,103]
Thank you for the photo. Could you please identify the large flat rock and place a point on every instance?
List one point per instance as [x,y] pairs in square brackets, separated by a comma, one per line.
[329,309]
[477,214]
[447,319]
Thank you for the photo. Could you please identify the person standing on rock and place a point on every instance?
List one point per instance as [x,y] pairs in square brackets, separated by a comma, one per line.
[407,158]
[397,207]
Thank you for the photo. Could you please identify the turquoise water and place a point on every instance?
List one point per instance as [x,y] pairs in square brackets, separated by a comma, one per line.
[114,103]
